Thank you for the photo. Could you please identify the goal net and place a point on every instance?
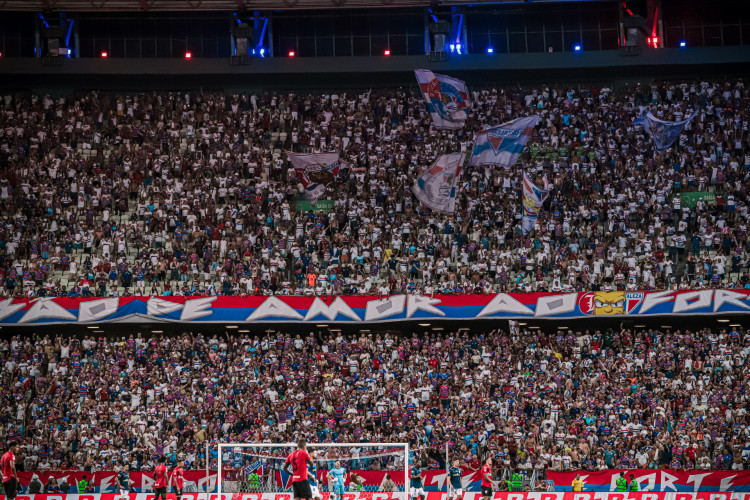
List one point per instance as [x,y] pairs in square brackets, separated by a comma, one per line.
[369,467]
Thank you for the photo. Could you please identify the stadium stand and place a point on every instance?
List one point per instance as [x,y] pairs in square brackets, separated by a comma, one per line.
[191,194]
[571,400]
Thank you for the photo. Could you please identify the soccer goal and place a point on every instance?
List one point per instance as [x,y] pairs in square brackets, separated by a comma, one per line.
[370,467]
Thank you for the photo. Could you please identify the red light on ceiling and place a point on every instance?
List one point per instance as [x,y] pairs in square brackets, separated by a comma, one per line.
[291,53]
[188,55]
[105,55]
[386,52]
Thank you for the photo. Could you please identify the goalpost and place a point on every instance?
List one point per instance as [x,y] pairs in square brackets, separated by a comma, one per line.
[238,465]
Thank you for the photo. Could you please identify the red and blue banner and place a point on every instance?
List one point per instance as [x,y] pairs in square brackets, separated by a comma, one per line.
[358,309]
[657,480]
[391,495]
[106,481]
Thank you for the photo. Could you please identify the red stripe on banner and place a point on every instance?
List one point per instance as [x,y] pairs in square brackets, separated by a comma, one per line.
[401,496]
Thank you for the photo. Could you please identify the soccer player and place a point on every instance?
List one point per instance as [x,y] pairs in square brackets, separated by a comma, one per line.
[336,478]
[178,479]
[455,476]
[416,482]
[312,477]
[296,466]
[8,467]
[487,479]
[160,479]
[123,482]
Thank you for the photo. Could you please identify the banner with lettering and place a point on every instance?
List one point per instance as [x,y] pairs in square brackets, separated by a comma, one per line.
[106,481]
[388,495]
[657,480]
[356,309]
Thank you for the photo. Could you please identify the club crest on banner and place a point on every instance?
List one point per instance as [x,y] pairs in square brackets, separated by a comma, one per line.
[496,137]
[615,303]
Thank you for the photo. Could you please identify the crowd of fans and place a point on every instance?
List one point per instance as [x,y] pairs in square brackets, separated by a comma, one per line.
[192,194]
[531,400]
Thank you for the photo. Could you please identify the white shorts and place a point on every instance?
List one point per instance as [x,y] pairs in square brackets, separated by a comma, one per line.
[417,492]
[315,492]
[457,492]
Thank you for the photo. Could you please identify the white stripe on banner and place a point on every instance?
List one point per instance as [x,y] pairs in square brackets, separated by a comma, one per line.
[402,496]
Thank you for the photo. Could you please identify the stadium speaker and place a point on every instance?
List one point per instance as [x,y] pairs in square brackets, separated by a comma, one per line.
[54,32]
[242,30]
[632,44]
[440,27]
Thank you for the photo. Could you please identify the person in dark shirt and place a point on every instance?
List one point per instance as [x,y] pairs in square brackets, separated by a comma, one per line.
[51,486]
[123,482]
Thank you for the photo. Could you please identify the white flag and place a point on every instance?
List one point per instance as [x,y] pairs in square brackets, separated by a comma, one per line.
[436,188]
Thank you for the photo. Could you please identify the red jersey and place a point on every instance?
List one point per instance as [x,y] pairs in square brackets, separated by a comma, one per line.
[160,476]
[178,477]
[6,463]
[298,459]
[486,472]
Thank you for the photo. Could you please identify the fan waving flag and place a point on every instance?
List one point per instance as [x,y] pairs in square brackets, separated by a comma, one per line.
[663,133]
[447,98]
[533,199]
[501,145]
[436,188]
[315,171]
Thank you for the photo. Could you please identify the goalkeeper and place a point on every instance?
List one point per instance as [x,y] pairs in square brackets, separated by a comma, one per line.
[336,479]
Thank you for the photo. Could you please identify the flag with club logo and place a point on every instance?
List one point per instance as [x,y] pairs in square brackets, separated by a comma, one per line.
[256,466]
[315,171]
[447,98]
[533,199]
[501,145]
[436,187]
[662,132]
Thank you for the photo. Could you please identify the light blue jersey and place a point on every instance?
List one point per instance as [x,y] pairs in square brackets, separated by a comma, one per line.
[338,480]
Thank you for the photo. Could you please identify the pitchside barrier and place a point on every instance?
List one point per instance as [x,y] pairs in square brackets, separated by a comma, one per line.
[394,496]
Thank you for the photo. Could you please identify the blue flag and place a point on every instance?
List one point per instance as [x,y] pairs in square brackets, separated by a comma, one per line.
[501,145]
[663,133]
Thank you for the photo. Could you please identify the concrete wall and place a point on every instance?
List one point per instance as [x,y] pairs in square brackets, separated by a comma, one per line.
[594,66]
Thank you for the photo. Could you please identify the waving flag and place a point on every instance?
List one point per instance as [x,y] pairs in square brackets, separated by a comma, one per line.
[315,171]
[501,145]
[533,199]
[446,98]
[253,467]
[436,188]
[663,133]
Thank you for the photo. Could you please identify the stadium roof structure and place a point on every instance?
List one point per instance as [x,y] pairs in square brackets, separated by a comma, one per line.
[218,5]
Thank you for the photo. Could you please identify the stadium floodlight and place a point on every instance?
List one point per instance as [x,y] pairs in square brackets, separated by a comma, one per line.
[238,464]
[386,52]
[490,50]
[577,47]
[188,55]
[291,53]
[683,43]
[104,54]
